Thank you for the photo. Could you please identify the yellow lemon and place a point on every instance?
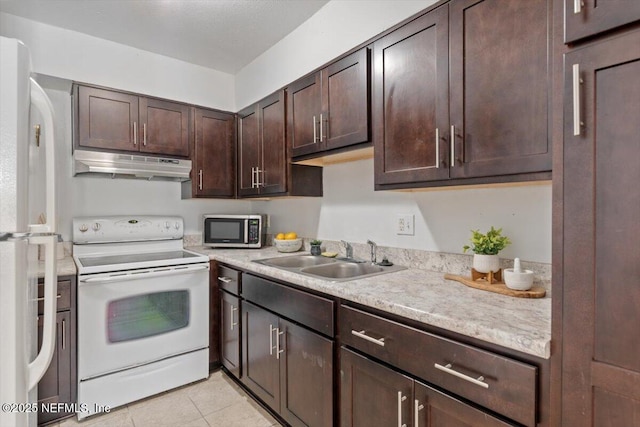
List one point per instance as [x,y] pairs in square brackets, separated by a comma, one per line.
[280,236]
[290,236]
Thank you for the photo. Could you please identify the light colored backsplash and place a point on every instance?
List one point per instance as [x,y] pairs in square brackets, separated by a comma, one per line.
[192,240]
[442,262]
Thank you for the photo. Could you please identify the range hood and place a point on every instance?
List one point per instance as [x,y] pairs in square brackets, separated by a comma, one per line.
[130,166]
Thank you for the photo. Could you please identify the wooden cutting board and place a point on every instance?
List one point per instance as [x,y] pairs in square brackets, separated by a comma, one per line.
[499,287]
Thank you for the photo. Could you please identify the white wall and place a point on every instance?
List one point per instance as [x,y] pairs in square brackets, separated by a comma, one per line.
[75,56]
[336,28]
[350,209]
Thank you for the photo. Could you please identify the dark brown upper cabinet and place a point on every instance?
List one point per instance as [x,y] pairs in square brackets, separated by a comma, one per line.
[463,92]
[263,166]
[584,18]
[214,161]
[330,109]
[411,101]
[118,121]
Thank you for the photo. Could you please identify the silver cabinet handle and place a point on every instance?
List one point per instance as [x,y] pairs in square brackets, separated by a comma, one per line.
[577,6]
[315,137]
[231,316]
[320,127]
[200,179]
[258,182]
[64,335]
[144,134]
[437,148]
[417,407]
[278,350]
[577,124]
[253,177]
[271,329]
[453,146]
[401,399]
[361,334]
[448,368]
[225,279]
[135,133]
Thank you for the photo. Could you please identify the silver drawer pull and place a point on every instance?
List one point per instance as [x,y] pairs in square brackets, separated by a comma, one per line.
[448,369]
[361,334]
[225,279]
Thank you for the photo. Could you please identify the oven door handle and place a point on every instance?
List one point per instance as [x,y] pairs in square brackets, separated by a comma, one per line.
[145,274]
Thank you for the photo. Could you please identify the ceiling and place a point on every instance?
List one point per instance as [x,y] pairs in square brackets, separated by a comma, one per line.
[224,35]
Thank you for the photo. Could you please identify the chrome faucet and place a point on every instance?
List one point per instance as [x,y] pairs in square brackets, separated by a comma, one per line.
[348,249]
[374,250]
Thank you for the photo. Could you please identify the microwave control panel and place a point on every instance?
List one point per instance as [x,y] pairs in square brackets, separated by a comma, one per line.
[254,231]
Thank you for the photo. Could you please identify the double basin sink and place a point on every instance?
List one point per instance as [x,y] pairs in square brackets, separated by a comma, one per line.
[333,269]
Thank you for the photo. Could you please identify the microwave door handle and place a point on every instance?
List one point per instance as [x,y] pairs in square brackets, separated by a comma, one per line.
[246,231]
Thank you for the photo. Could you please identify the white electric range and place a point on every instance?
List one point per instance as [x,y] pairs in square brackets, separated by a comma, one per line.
[143,309]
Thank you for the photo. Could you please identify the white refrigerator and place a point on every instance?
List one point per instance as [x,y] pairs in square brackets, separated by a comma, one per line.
[20,367]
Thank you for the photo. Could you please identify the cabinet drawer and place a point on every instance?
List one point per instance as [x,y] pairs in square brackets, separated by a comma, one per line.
[507,386]
[229,279]
[310,310]
[63,296]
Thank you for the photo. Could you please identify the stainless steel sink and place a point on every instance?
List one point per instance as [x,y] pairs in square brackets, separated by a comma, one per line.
[343,270]
[336,270]
[296,261]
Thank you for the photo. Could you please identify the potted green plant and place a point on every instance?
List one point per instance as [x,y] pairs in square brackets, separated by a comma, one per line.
[485,248]
[315,247]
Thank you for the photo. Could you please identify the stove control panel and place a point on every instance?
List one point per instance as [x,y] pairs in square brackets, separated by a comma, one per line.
[110,229]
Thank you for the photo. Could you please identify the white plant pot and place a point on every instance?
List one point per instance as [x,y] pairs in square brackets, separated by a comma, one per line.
[486,263]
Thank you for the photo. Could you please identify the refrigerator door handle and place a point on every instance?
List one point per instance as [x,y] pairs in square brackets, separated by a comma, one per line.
[41,101]
[39,366]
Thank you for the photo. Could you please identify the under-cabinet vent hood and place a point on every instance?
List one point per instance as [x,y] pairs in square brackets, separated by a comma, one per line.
[130,166]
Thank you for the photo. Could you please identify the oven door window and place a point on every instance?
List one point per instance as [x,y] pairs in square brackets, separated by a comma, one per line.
[142,316]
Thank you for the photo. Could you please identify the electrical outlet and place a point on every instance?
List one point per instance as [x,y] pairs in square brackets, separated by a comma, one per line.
[404,224]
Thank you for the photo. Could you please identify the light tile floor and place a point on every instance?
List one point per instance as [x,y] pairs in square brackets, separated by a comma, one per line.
[215,402]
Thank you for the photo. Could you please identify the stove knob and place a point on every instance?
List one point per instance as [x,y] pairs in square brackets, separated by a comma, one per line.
[83,228]
[177,225]
[167,225]
[95,226]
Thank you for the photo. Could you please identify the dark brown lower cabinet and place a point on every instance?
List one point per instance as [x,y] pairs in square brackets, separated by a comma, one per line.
[230,333]
[372,394]
[289,367]
[58,385]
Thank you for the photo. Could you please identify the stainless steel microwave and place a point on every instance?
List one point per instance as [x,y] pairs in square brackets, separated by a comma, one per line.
[234,231]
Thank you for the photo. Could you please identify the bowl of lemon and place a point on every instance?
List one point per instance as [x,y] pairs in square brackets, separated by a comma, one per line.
[287,242]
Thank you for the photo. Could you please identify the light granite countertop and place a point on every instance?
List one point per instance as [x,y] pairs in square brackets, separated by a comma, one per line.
[516,323]
[65,267]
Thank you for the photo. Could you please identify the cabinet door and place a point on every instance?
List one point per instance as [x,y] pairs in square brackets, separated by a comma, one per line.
[249,150]
[107,120]
[55,385]
[372,395]
[585,18]
[213,172]
[600,316]
[306,377]
[259,355]
[432,408]
[273,171]
[346,101]
[164,127]
[303,118]
[230,333]
[410,101]
[500,87]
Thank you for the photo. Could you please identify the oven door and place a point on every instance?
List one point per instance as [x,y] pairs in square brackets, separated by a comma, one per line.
[132,318]
[226,231]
